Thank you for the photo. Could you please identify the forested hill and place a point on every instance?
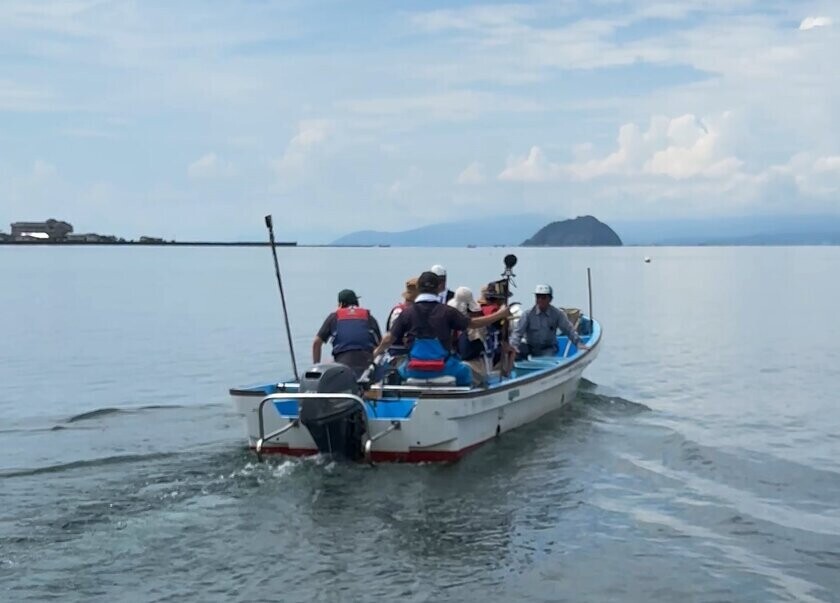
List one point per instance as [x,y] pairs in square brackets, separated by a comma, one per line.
[583,231]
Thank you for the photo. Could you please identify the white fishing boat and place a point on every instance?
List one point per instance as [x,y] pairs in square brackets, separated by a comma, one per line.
[328,410]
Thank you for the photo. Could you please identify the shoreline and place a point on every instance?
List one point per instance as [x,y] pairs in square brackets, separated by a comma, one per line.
[369,246]
[152,243]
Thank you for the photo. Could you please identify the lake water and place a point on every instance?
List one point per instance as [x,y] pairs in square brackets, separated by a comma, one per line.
[700,462]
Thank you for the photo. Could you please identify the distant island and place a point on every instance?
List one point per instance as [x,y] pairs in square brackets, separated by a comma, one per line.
[583,231]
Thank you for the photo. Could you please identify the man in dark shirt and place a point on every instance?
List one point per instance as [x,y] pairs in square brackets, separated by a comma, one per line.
[353,332]
[427,326]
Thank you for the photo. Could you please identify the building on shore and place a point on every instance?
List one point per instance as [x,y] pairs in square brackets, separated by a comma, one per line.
[92,237]
[53,230]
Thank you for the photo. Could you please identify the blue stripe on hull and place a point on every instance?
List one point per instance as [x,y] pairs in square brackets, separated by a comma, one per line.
[376,409]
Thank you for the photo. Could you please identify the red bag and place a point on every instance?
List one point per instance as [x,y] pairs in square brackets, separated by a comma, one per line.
[426,365]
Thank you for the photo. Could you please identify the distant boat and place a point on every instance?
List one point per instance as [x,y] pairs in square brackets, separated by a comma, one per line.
[647,260]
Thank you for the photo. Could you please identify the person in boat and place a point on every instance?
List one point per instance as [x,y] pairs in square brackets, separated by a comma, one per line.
[443,291]
[353,331]
[429,326]
[539,325]
[472,345]
[400,348]
[501,352]
[407,299]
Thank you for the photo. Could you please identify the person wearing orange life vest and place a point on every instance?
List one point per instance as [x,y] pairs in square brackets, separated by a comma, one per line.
[502,354]
[408,298]
[400,348]
[353,332]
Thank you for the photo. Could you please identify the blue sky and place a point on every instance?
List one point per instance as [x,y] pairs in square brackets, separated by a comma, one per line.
[194,119]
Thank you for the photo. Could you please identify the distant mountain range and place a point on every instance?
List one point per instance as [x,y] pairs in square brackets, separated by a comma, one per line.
[498,230]
[513,230]
[740,230]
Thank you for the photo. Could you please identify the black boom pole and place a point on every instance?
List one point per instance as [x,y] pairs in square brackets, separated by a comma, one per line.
[510,262]
[270,227]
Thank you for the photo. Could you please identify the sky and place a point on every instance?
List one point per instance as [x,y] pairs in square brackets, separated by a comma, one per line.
[193,119]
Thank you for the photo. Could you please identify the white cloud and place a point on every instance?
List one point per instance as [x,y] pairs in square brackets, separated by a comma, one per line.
[533,168]
[472,174]
[693,150]
[827,164]
[813,176]
[812,22]
[310,135]
[474,18]
[679,148]
[210,166]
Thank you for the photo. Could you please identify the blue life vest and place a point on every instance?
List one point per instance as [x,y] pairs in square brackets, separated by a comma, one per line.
[352,331]
[426,353]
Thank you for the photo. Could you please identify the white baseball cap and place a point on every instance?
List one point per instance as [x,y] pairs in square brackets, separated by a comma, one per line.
[543,290]
[438,269]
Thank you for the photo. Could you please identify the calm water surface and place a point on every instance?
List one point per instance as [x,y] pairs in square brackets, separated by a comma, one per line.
[700,462]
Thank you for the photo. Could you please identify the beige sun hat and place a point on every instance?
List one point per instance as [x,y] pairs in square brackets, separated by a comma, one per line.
[464,301]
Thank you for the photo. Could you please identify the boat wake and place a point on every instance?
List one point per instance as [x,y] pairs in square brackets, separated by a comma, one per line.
[590,397]
[108,411]
[90,463]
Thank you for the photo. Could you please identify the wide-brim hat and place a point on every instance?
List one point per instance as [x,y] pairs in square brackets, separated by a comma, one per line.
[493,291]
[463,300]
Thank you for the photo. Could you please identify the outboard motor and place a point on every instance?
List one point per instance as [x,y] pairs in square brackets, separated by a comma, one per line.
[336,424]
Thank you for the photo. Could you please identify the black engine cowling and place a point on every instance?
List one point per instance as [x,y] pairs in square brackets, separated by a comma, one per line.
[336,424]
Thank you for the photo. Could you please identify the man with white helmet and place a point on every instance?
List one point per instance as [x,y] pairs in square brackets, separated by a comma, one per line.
[444,293]
[539,327]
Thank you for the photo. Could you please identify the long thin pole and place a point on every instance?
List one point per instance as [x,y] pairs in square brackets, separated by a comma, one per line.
[589,285]
[270,227]
[510,262]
